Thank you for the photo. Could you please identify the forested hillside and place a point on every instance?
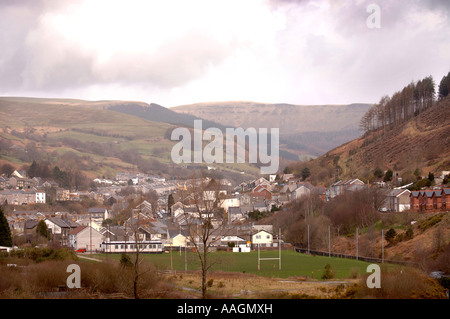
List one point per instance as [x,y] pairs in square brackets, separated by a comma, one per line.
[407,134]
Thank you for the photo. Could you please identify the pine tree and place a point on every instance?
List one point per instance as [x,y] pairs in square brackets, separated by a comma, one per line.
[5,232]
[42,229]
[444,86]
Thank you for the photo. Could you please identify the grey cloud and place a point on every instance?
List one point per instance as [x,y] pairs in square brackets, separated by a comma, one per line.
[38,58]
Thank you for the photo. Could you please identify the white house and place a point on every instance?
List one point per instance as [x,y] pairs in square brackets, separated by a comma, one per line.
[40,197]
[262,238]
[176,239]
[229,201]
[85,237]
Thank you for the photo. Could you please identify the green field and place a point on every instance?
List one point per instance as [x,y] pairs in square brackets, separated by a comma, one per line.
[292,263]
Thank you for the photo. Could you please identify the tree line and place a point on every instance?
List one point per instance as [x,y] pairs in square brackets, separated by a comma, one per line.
[405,104]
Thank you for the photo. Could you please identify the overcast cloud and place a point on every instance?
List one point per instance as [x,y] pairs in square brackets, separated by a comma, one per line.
[180,52]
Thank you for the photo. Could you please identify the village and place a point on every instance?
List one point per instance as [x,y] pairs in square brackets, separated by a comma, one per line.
[164,222]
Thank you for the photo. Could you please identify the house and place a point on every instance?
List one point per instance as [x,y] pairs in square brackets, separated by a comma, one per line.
[264,190]
[233,239]
[49,184]
[62,194]
[177,238]
[437,199]
[445,198]
[340,187]
[98,214]
[145,207]
[235,214]
[177,209]
[21,183]
[229,201]
[414,201]
[40,197]
[116,233]
[428,198]
[22,197]
[288,189]
[398,200]
[60,229]
[19,173]
[85,220]
[85,237]
[301,191]
[262,238]
[261,207]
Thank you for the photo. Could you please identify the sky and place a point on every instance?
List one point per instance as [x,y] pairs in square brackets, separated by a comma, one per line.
[176,52]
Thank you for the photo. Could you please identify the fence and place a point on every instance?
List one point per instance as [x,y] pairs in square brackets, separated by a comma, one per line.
[367,259]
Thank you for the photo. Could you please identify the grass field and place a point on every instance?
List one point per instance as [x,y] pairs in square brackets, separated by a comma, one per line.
[293,264]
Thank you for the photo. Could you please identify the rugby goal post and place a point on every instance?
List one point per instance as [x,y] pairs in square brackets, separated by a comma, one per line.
[272,258]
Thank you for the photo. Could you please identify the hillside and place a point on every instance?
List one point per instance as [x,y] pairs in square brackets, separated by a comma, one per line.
[421,143]
[89,136]
[305,130]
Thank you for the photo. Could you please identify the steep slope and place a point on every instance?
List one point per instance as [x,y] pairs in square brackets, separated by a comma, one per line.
[422,142]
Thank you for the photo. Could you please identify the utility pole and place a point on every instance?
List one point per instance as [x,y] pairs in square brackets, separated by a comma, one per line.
[308,239]
[382,245]
[329,240]
[185,257]
[90,233]
[279,247]
[356,243]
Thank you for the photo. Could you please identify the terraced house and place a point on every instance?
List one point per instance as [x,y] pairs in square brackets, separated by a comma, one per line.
[430,200]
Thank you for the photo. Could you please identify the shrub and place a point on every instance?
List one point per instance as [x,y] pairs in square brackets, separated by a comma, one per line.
[409,233]
[354,273]
[390,236]
[328,273]
[430,222]
[210,282]
[125,260]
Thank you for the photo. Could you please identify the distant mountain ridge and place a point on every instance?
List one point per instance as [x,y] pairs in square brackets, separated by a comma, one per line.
[304,129]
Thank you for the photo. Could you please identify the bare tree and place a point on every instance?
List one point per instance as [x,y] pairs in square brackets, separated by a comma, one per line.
[135,224]
[204,221]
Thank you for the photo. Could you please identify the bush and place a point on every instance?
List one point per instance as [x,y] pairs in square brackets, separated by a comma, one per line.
[354,273]
[409,233]
[430,222]
[328,273]
[125,260]
[390,236]
[43,254]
